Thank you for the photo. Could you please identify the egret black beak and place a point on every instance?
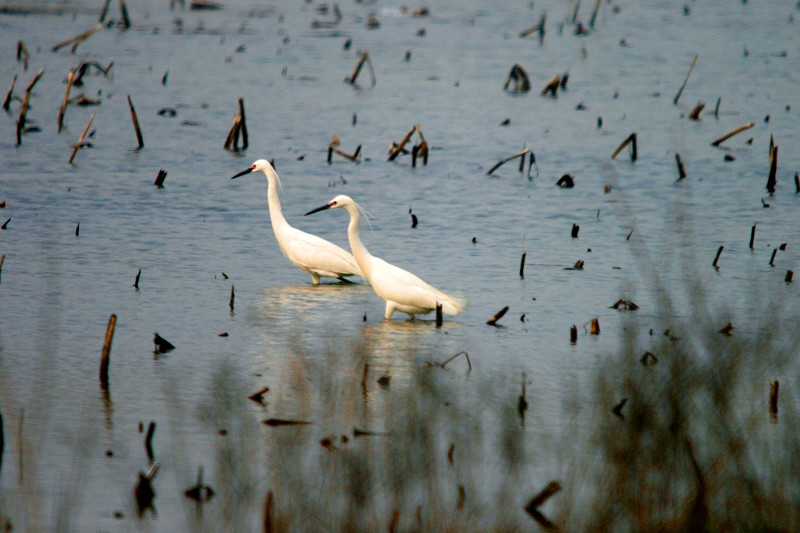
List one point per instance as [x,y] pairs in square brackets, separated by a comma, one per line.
[320,208]
[243,172]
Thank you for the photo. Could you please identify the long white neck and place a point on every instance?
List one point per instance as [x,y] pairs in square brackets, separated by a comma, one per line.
[275,213]
[360,251]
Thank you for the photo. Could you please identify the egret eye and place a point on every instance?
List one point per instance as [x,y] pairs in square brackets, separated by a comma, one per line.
[332,204]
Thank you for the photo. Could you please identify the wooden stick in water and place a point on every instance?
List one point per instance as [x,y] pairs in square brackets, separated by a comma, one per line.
[79,144]
[465,354]
[362,60]
[135,120]
[397,149]
[22,54]
[63,109]
[521,155]
[123,10]
[148,441]
[9,94]
[630,139]
[773,169]
[162,175]
[683,86]
[594,13]
[104,11]
[233,132]
[77,39]
[493,321]
[269,506]
[243,124]
[774,387]
[733,132]
[105,356]
[681,170]
[716,257]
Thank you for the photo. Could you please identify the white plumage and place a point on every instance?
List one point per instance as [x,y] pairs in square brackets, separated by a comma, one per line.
[400,289]
[310,253]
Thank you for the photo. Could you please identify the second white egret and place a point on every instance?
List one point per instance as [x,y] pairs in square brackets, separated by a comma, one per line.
[400,289]
[310,253]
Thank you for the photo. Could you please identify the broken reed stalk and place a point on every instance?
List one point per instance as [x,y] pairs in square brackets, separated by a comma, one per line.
[465,354]
[522,82]
[9,94]
[123,11]
[136,281]
[772,258]
[269,506]
[752,236]
[716,257]
[594,329]
[233,296]
[135,120]
[573,334]
[352,157]
[148,441]
[685,80]
[243,126]
[521,155]
[162,175]
[796,183]
[79,144]
[694,114]
[594,13]
[789,276]
[438,315]
[733,132]
[105,356]
[681,170]
[493,321]
[103,12]
[25,103]
[774,387]
[233,134]
[545,494]
[631,139]
[522,266]
[773,169]
[63,108]
[78,39]
[362,60]
[22,54]
[399,148]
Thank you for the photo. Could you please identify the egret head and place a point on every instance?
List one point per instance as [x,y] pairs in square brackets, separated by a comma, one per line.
[339,201]
[259,166]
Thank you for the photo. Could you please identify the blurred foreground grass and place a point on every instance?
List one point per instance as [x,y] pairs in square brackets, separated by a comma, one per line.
[692,447]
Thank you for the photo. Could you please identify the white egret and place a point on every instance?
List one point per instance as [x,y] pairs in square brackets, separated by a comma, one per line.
[400,289]
[310,253]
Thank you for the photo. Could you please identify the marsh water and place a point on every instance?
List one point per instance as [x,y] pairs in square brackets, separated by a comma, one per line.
[643,235]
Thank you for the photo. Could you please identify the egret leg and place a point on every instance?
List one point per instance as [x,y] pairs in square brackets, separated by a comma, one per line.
[314,278]
[391,307]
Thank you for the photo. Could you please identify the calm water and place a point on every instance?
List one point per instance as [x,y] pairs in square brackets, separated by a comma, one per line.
[58,290]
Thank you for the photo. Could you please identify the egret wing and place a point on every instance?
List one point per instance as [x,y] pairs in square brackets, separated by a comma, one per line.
[315,253]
